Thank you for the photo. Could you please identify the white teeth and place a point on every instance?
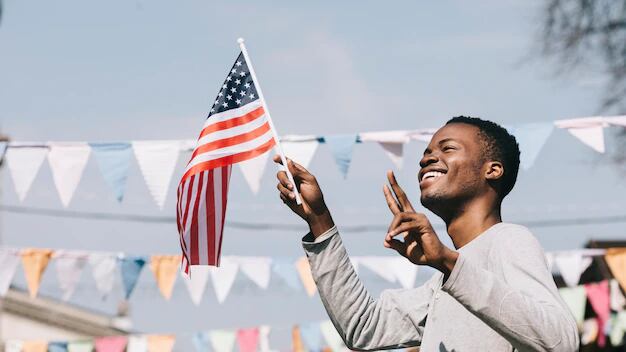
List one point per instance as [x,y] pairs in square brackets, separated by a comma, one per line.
[430,174]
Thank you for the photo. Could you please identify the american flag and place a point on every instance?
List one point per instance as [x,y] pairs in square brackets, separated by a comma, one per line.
[236,129]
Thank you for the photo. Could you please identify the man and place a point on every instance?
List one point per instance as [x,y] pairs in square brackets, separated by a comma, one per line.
[493,291]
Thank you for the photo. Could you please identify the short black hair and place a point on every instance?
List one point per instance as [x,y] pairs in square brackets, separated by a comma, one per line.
[499,145]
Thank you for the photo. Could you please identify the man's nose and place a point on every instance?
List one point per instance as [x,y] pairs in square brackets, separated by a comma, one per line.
[428,159]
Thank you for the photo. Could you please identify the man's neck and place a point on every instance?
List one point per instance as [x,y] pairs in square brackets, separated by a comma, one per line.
[474,219]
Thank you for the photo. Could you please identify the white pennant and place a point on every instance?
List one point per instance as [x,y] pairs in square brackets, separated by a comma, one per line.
[137,343]
[24,163]
[264,338]
[8,264]
[69,266]
[252,170]
[222,340]
[196,282]
[67,162]
[224,277]
[404,271]
[103,270]
[257,269]
[589,130]
[157,160]
[618,301]
[571,265]
[616,120]
[300,152]
[13,346]
[394,151]
[391,141]
[379,265]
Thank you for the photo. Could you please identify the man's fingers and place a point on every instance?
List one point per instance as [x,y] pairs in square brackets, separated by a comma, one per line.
[285,191]
[391,201]
[397,245]
[405,204]
[284,180]
[298,171]
[402,229]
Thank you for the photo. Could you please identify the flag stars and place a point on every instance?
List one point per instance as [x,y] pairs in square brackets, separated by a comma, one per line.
[251,95]
[242,74]
[225,104]
[233,90]
[229,79]
[238,81]
[238,63]
[242,93]
[247,85]
[215,103]
[224,86]
[233,71]
[238,102]
[220,94]
[229,97]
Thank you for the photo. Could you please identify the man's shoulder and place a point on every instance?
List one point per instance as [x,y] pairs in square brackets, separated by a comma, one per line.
[509,235]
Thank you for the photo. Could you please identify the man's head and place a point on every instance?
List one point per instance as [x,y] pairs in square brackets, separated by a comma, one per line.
[466,159]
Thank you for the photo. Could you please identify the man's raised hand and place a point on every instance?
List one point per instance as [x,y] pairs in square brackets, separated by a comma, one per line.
[313,208]
[419,243]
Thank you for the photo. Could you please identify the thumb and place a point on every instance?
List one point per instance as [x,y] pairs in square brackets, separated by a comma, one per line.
[396,245]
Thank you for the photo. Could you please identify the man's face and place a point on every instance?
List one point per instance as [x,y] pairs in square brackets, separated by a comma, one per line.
[451,168]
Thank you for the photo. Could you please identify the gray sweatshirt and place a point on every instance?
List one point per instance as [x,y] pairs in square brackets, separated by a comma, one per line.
[500,296]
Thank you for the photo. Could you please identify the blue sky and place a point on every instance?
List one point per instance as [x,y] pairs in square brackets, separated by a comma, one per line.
[125,70]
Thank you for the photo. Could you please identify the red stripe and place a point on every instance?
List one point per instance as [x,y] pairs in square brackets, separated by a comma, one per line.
[230,159]
[230,141]
[185,216]
[222,125]
[195,258]
[210,215]
[225,181]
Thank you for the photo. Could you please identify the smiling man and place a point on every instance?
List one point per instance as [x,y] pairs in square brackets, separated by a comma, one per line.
[493,290]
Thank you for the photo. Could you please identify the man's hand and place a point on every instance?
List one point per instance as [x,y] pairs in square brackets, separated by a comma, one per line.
[420,243]
[313,209]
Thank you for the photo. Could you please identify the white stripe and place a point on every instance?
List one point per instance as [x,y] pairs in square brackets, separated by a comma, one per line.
[202,225]
[233,131]
[230,114]
[194,191]
[217,197]
[222,152]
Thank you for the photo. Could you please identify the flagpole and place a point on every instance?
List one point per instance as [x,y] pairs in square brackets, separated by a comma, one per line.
[269,119]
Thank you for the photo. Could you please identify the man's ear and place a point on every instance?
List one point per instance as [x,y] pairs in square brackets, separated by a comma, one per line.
[495,170]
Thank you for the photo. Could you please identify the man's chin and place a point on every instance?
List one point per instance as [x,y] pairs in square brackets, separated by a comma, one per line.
[432,202]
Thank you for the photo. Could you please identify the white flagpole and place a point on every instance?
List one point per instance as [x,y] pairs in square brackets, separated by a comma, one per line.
[269,119]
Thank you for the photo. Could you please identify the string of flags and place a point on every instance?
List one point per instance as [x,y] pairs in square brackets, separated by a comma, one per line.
[310,336]
[157,159]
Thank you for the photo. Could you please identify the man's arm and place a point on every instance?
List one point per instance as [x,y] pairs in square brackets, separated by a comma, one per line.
[525,307]
[395,320]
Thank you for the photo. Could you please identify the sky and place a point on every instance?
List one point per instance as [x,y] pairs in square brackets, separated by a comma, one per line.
[132,70]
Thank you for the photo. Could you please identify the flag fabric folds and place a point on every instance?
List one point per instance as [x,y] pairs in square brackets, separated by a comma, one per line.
[237,129]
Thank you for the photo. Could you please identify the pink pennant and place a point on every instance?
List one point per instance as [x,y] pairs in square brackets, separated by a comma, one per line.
[598,294]
[248,339]
[111,344]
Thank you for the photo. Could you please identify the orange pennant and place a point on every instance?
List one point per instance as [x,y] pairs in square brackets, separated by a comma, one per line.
[304,269]
[616,260]
[34,261]
[165,269]
[296,337]
[34,346]
[160,343]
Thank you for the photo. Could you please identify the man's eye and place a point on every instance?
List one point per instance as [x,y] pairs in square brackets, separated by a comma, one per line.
[447,147]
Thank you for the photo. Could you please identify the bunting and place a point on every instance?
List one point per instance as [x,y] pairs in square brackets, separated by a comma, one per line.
[35,261]
[67,162]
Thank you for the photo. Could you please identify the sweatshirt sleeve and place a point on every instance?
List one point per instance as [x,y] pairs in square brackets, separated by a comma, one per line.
[525,306]
[395,320]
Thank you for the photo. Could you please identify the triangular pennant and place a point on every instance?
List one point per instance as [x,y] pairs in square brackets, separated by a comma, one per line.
[67,163]
[252,170]
[80,346]
[248,339]
[165,269]
[157,160]
[114,161]
[223,278]
[618,328]
[24,163]
[588,130]
[196,282]
[200,341]
[300,152]
[286,270]
[257,269]
[311,336]
[130,269]
[8,265]
[589,331]
[304,270]
[35,346]
[618,301]
[571,265]
[111,344]
[137,343]
[13,346]
[69,267]
[34,262]
[404,271]
[378,265]
[264,338]
[342,146]
[296,340]
[222,340]
[57,346]
[616,120]
[391,141]
[3,150]
[394,151]
[616,260]
[333,340]
[103,271]
[531,137]
[160,343]
[598,294]
[576,300]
